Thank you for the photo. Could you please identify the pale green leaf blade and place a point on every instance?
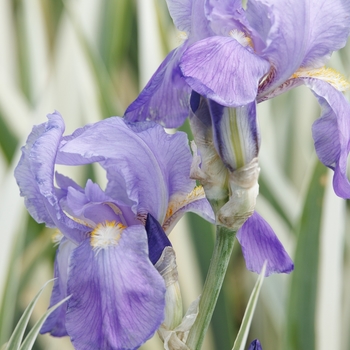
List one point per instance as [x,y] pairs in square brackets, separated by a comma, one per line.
[17,335]
[303,291]
[32,335]
[249,312]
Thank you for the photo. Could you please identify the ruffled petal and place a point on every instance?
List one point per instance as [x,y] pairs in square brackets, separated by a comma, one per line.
[283,26]
[226,16]
[297,34]
[259,244]
[329,29]
[27,183]
[162,161]
[180,12]
[165,99]
[117,295]
[223,70]
[56,322]
[35,174]
[331,132]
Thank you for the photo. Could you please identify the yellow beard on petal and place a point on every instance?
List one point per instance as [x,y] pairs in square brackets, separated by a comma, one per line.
[179,201]
[328,75]
[105,235]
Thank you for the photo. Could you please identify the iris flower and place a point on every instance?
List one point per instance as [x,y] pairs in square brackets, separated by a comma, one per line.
[105,259]
[236,57]
[232,59]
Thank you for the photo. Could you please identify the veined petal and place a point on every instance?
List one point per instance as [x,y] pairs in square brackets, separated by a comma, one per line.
[165,99]
[180,12]
[221,69]
[29,188]
[329,29]
[259,244]
[117,295]
[283,26]
[331,132]
[236,135]
[55,323]
[163,162]
[226,16]
[35,174]
[297,34]
[180,204]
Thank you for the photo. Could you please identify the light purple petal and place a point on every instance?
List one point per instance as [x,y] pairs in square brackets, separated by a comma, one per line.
[331,132]
[329,29]
[283,26]
[297,34]
[259,244]
[152,164]
[222,70]
[165,99]
[35,174]
[63,182]
[117,295]
[180,11]
[227,15]
[189,17]
[56,322]
[34,200]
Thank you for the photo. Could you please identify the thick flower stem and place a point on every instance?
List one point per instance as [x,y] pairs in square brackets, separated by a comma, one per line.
[217,270]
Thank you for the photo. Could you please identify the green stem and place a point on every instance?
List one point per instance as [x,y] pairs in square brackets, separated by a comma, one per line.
[212,286]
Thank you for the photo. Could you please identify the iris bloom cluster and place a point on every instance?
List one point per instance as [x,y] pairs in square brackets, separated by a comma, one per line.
[114,258]
[232,59]
[110,240]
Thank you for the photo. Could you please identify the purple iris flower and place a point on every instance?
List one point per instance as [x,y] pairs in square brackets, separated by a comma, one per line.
[226,163]
[237,56]
[106,255]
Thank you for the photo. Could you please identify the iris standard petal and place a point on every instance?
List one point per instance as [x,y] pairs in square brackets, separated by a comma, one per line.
[35,174]
[163,162]
[331,132]
[109,309]
[180,11]
[55,323]
[223,70]
[27,183]
[165,99]
[225,16]
[283,26]
[329,29]
[259,244]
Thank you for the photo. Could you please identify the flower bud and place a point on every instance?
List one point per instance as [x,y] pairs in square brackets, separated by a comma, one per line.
[225,158]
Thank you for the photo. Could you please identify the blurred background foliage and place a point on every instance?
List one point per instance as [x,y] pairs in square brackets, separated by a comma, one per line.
[89,59]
